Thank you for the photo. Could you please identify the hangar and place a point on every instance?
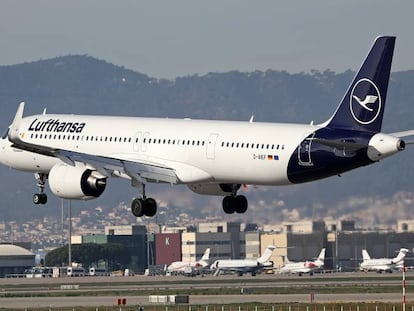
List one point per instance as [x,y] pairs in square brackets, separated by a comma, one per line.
[15,259]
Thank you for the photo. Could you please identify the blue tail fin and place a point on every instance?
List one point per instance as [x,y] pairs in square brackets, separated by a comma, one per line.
[362,107]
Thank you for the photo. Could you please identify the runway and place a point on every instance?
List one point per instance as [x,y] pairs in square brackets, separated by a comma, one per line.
[100,291]
[97,301]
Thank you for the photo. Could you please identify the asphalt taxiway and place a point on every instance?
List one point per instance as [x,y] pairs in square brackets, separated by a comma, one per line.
[75,292]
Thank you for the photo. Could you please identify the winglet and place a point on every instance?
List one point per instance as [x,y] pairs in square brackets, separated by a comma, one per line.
[14,127]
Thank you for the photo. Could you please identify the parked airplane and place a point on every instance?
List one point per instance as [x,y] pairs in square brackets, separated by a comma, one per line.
[382,264]
[241,266]
[78,153]
[304,266]
[186,267]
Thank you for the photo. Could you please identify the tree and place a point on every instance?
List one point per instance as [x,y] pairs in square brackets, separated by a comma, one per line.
[115,255]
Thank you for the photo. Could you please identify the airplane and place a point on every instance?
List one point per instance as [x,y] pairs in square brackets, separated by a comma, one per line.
[77,154]
[183,267]
[382,264]
[304,266]
[241,266]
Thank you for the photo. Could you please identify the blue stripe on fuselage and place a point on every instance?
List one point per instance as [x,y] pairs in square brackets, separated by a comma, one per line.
[313,160]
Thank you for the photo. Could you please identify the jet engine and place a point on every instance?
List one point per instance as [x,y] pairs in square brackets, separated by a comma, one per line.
[382,145]
[214,189]
[76,182]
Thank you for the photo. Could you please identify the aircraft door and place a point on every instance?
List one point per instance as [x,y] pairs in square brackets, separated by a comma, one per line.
[141,141]
[144,143]
[211,146]
[137,141]
[304,151]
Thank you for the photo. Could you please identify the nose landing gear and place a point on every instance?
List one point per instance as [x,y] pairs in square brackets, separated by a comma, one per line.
[41,197]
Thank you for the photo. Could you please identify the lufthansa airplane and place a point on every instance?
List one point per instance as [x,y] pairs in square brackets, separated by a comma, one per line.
[77,153]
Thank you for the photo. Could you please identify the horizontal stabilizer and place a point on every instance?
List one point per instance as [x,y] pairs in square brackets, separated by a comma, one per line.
[404,134]
[339,144]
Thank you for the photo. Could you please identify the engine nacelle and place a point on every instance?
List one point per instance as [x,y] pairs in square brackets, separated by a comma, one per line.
[214,189]
[382,145]
[76,182]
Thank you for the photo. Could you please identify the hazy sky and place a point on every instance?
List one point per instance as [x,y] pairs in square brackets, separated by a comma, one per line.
[166,39]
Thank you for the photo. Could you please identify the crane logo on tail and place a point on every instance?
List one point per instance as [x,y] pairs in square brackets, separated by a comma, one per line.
[365,101]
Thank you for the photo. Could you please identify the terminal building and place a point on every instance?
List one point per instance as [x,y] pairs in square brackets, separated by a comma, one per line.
[15,259]
[296,241]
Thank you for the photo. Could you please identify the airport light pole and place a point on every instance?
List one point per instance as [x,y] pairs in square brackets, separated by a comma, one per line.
[336,247]
[70,234]
[403,285]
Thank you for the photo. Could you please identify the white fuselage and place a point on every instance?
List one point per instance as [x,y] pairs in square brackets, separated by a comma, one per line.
[379,264]
[298,267]
[181,266]
[199,151]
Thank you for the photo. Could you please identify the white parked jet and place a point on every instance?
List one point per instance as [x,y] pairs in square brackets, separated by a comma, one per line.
[241,266]
[78,153]
[382,264]
[304,266]
[182,266]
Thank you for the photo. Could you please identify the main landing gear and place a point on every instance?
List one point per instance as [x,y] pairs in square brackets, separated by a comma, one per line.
[144,206]
[234,202]
[41,197]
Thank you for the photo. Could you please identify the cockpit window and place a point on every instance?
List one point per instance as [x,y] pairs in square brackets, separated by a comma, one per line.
[6,132]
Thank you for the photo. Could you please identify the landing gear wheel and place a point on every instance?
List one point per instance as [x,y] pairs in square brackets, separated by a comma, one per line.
[240,204]
[228,204]
[39,198]
[150,207]
[236,204]
[137,207]
[141,207]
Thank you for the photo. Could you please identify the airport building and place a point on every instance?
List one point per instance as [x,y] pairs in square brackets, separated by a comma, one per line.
[15,259]
[296,241]
[133,237]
